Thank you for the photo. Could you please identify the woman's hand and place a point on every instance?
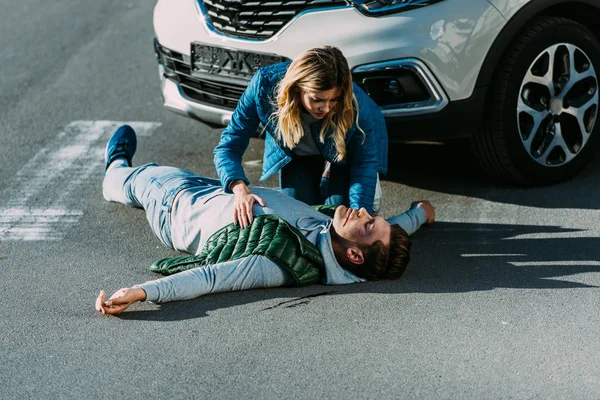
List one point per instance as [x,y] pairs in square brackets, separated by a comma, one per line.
[120,300]
[244,200]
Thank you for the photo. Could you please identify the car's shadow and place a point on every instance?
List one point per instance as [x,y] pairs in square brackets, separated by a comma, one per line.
[447,258]
[452,168]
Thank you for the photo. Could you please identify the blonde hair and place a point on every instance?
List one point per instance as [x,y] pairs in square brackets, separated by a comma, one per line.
[318,69]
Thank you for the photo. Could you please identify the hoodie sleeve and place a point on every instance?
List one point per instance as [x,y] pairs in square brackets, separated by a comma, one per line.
[251,272]
[410,220]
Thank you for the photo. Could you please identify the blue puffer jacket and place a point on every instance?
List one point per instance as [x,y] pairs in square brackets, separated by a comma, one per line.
[365,154]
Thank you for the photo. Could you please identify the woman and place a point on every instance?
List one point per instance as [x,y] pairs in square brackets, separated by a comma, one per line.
[311,114]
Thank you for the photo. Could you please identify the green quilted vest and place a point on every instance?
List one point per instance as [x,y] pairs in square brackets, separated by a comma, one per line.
[328,209]
[269,236]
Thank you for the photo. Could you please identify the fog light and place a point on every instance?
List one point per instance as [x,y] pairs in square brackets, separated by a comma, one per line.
[384,89]
[393,87]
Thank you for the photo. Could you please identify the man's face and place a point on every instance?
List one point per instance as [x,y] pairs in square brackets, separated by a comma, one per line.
[318,104]
[358,226]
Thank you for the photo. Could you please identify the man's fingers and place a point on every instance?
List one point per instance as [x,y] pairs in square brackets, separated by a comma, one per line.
[110,307]
[113,309]
[116,300]
[114,305]
[431,214]
[100,302]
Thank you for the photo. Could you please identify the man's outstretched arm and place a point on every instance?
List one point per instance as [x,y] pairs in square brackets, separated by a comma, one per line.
[420,213]
[252,272]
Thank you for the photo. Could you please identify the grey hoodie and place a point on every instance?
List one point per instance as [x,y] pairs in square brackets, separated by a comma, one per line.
[199,212]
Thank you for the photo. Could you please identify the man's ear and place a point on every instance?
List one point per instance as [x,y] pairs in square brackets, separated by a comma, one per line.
[355,255]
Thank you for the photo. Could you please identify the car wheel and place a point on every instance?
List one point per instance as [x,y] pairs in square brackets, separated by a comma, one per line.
[540,123]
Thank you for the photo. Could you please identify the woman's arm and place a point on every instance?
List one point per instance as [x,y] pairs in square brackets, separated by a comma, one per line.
[363,161]
[248,273]
[236,136]
[231,148]
[368,152]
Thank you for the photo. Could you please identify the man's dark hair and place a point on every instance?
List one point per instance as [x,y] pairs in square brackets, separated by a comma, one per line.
[380,261]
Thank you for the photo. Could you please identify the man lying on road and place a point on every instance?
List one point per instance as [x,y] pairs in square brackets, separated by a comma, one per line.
[287,243]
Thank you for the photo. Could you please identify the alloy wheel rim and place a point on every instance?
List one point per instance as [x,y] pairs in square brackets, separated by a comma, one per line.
[558,105]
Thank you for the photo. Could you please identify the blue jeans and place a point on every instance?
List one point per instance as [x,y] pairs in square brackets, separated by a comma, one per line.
[152,188]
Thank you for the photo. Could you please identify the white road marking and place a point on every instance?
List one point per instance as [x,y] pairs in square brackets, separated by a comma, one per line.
[493,255]
[479,229]
[591,263]
[35,209]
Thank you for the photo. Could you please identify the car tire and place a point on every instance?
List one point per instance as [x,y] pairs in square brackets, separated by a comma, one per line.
[540,118]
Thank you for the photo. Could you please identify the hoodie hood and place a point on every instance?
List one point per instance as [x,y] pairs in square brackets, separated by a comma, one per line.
[318,231]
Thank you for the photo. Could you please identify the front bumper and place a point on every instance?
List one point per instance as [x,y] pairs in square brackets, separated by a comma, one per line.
[214,102]
[176,101]
[456,119]
[185,94]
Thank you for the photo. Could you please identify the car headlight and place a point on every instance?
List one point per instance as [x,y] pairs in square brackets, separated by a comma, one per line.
[375,8]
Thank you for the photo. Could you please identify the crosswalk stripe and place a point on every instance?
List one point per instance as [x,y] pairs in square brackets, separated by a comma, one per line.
[35,210]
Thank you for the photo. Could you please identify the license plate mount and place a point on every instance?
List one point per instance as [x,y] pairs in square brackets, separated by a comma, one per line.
[210,61]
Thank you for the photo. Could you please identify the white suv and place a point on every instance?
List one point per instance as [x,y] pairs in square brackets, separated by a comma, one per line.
[520,77]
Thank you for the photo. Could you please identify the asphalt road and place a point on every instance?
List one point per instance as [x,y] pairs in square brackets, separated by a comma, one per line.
[500,301]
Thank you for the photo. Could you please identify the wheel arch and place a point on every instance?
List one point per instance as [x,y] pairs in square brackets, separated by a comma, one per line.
[586,12]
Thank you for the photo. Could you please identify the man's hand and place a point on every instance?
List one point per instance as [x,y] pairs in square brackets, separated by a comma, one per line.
[429,210]
[120,300]
[243,203]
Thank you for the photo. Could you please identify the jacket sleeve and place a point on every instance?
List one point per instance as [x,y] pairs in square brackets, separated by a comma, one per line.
[251,272]
[236,136]
[363,160]
[410,220]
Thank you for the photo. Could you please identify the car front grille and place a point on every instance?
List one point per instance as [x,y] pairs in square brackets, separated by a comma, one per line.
[177,68]
[258,19]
